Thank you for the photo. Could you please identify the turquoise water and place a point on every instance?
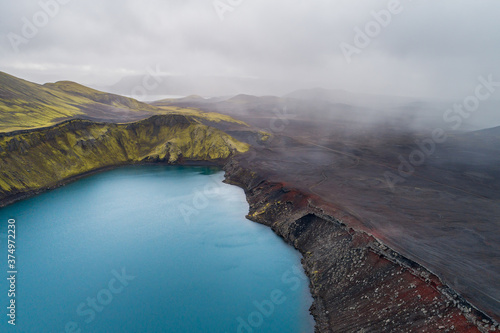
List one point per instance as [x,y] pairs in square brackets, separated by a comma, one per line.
[149,249]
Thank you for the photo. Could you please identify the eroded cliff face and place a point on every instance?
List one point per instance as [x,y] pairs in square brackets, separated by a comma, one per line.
[358,284]
[35,160]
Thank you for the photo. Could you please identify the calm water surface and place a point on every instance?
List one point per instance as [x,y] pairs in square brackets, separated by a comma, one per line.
[150,249]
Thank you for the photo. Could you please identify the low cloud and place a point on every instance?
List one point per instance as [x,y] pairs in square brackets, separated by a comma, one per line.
[429,49]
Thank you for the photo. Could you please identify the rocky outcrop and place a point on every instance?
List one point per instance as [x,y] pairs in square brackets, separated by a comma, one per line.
[35,160]
[358,283]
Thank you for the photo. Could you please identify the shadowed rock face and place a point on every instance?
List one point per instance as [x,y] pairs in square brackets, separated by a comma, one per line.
[358,283]
[452,232]
[363,287]
[442,213]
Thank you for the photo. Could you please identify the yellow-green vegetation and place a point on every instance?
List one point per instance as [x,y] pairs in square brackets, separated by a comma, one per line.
[78,90]
[27,105]
[264,136]
[261,211]
[46,143]
[210,116]
[37,159]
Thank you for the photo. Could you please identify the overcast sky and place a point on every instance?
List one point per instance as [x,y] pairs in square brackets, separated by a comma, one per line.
[426,48]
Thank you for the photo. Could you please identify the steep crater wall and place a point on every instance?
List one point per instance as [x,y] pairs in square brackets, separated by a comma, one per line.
[358,283]
[35,160]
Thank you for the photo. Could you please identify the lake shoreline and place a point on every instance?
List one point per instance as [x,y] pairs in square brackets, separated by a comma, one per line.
[334,247]
[130,222]
[28,194]
[291,213]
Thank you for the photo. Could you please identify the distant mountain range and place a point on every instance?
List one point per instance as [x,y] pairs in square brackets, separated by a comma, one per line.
[151,86]
[25,105]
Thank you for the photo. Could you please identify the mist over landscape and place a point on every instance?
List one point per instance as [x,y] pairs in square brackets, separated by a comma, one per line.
[364,133]
[427,49]
[209,48]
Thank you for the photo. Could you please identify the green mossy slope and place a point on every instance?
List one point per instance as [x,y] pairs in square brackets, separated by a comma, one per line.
[78,90]
[34,160]
[26,105]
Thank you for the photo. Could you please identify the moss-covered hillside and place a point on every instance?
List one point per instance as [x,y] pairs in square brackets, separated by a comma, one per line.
[38,159]
[77,90]
[27,105]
